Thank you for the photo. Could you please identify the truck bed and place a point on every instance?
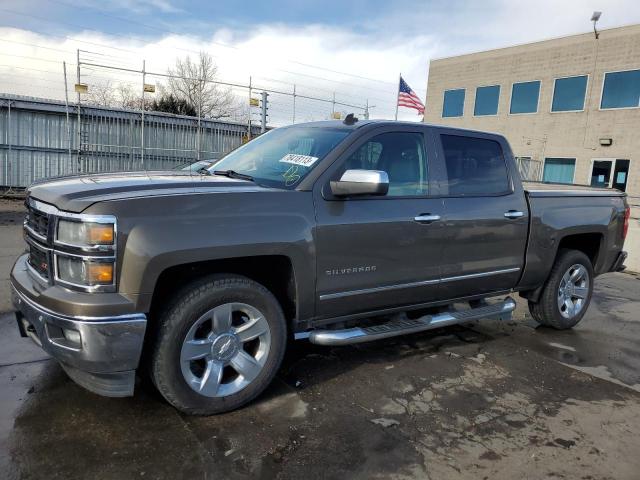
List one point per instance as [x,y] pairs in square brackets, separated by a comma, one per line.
[541,189]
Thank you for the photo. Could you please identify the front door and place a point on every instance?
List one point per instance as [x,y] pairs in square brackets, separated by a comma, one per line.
[376,252]
[609,173]
[486,216]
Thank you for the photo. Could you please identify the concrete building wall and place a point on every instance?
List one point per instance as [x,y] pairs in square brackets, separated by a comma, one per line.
[545,134]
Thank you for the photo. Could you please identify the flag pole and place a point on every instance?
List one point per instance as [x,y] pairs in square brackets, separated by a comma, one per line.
[398,95]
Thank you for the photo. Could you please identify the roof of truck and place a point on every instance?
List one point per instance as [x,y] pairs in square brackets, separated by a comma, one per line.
[382,122]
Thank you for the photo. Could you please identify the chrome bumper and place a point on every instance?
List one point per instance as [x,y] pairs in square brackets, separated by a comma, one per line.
[99,353]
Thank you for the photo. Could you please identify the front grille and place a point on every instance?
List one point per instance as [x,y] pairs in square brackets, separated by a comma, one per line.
[39,261]
[38,222]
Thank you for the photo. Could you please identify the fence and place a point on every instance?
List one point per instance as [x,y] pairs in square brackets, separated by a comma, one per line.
[40,139]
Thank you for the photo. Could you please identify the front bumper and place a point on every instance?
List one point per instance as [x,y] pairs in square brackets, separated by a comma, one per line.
[99,353]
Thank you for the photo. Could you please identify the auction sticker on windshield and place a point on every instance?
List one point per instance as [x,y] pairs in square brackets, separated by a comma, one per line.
[297,159]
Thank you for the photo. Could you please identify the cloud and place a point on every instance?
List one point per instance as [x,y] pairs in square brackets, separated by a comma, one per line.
[383,40]
[130,6]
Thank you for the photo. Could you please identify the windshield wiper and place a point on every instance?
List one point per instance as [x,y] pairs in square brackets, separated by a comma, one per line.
[234,174]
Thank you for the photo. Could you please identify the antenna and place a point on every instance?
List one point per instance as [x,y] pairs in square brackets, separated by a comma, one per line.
[350,119]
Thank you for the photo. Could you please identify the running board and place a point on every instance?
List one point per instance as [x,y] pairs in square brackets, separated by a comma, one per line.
[406,326]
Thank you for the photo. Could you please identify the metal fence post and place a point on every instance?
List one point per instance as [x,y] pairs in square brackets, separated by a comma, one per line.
[66,107]
[293,120]
[199,132]
[142,118]
[263,126]
[8,169]
[250,113]
[79,146]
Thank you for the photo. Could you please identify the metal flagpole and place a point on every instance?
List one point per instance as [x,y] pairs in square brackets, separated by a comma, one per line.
[398,95]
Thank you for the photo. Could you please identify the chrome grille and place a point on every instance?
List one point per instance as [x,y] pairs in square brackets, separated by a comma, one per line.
[39,261]
[38,222]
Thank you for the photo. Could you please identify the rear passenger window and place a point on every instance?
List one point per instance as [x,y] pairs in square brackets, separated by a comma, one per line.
[475,166]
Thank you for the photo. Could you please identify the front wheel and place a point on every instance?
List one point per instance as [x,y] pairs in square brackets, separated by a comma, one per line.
[567,293]
[218,345]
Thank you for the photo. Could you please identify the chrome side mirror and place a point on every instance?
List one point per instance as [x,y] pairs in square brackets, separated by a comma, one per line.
[361,182]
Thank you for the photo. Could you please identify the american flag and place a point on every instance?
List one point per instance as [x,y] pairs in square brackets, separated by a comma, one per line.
[408,98]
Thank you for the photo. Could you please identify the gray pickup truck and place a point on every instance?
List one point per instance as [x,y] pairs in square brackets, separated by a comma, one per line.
[329,232]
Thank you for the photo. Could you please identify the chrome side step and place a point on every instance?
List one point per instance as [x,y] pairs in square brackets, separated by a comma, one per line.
[404,326]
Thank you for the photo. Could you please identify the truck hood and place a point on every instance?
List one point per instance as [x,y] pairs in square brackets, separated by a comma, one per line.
[74,194]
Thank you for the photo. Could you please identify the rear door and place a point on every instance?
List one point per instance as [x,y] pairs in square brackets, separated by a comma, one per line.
[380,251]
[486,215]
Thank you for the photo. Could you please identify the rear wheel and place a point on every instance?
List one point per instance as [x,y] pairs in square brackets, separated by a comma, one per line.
[567,292]
[219,345]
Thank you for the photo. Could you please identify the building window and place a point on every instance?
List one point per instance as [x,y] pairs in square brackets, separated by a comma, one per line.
[621,90]
[569,93]
[487,100]
[453,105]
[524,97]
[559,170]
[475,166]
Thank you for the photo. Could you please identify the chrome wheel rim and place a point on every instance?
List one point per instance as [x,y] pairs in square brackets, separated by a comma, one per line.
[573,291]
[225,349]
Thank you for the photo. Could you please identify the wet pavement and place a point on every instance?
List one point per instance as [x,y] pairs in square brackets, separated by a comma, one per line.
[485,400]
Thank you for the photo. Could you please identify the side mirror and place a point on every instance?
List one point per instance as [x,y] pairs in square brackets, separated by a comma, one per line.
[361,182]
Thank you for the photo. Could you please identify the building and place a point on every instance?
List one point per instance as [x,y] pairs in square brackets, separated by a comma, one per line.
[570,107]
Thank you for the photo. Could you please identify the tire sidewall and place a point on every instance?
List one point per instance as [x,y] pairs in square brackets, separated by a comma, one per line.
[188,308]
[566,259]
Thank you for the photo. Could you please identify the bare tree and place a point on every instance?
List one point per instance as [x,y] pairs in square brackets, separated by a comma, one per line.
[101,94]
[192,81]
[127,96]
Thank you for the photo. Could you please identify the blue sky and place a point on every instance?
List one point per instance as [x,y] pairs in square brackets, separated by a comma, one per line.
[353,48]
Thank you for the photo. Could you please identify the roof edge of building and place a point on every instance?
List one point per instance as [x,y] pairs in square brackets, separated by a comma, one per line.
[551,39]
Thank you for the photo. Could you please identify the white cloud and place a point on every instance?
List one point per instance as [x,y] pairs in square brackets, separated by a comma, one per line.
[278,55]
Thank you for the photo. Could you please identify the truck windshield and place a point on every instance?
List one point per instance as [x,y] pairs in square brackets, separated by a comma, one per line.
[282,157]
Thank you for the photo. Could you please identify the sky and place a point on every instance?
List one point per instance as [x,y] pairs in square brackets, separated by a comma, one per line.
[352,51]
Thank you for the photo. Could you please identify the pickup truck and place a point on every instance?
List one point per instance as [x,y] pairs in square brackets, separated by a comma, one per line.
[330,232]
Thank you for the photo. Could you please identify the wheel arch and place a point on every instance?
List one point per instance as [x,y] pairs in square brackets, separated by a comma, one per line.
[590,243]
[275,272]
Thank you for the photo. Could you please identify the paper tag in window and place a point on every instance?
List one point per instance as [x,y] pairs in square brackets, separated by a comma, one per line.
[296,159]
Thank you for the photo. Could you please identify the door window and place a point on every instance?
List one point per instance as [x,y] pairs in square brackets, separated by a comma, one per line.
[559,170]
[620,174]
[600,173]
[401,155]
[475,166]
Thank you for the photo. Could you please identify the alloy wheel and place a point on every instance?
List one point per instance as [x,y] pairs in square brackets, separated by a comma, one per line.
[225,349]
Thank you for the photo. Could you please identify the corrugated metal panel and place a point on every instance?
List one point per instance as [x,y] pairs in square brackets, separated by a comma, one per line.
[34,142]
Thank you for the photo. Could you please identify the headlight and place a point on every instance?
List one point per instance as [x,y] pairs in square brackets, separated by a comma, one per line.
[85,272]
[85,233]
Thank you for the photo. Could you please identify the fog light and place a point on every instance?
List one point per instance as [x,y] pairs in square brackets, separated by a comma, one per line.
[72,336]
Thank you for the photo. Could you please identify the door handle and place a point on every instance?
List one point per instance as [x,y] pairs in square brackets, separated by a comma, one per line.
[513,214]
[427,218]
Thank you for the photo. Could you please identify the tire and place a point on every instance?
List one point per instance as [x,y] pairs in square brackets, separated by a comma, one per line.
[204,360]
[552,309]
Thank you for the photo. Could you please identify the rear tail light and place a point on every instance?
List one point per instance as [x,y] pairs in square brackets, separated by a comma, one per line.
[625,228]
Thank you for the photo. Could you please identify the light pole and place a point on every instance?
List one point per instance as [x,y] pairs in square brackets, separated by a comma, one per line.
[594,18]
